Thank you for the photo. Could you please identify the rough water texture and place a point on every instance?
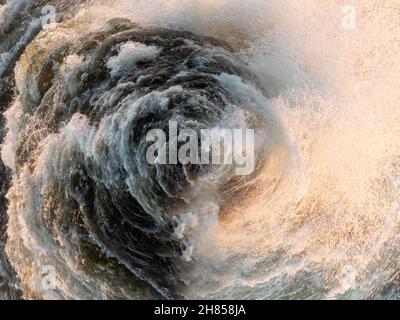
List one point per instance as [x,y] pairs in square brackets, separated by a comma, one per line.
[18,26]
[319,217]
[83,114]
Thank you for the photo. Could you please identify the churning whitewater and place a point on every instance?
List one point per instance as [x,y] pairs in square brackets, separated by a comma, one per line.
[84,215]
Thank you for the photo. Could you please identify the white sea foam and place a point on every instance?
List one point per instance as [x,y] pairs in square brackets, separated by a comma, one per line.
[129,55]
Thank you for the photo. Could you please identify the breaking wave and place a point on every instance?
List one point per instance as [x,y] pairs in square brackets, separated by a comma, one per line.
[319,216]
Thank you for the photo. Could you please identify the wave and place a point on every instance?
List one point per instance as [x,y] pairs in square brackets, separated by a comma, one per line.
[316,219]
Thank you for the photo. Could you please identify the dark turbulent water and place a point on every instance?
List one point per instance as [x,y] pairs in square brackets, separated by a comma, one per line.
[106,209]
[11,33]
[84,215]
